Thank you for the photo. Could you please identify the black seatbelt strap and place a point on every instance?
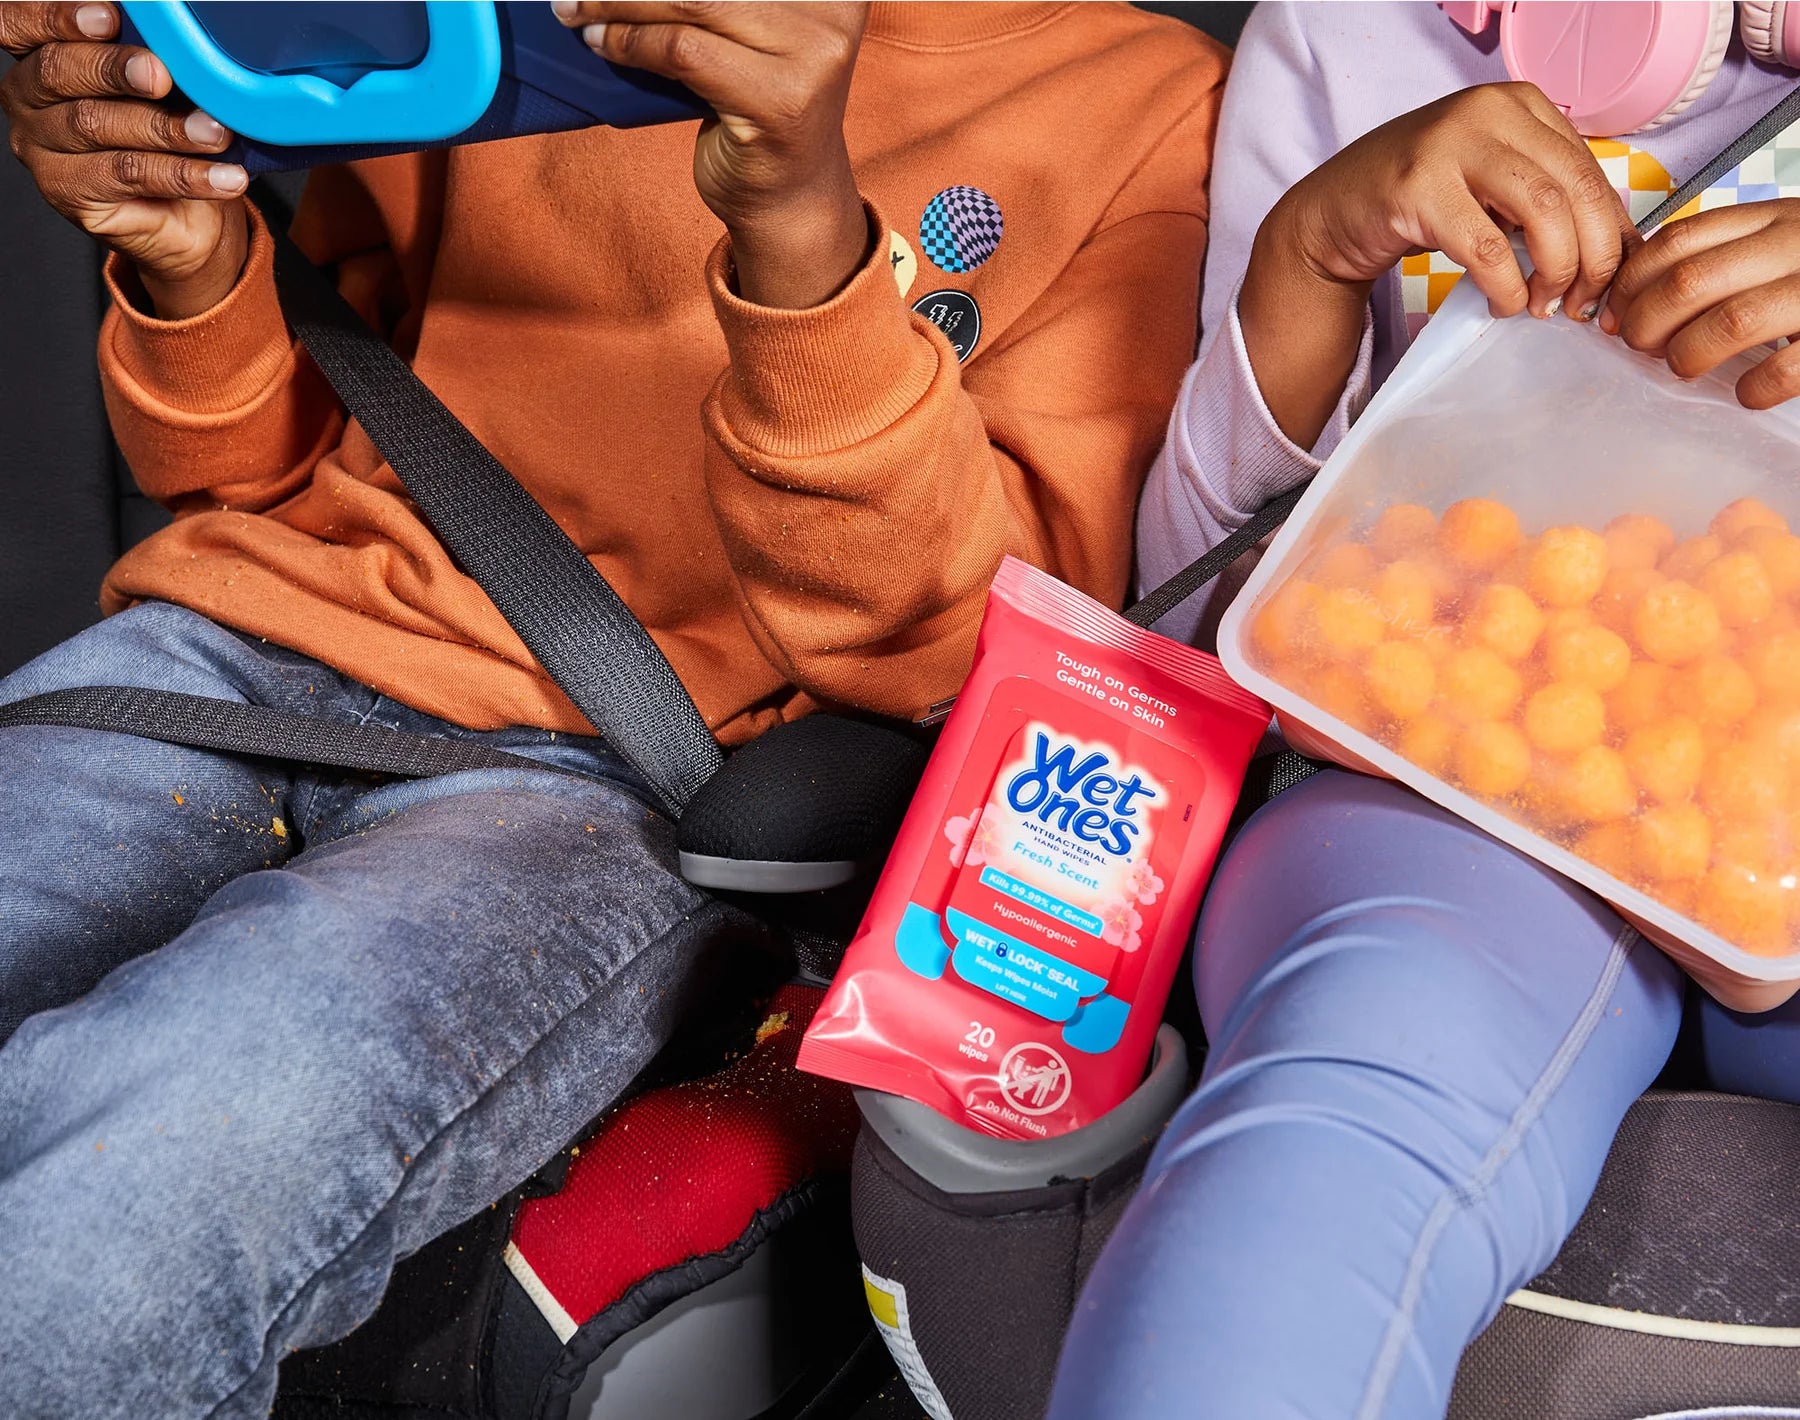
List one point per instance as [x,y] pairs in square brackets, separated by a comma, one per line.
[566,613]
[1757,136]
[1153,607]
[236,728]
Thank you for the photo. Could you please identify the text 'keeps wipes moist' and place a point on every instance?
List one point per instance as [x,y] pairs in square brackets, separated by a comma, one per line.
[1013,965]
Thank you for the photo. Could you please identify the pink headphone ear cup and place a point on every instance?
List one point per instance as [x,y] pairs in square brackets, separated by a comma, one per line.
[1718,40]
[1765,26]
[1759,23]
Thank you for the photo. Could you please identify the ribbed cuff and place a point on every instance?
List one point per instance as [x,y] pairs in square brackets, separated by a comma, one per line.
[217,361]
[827,377]
[1234,439]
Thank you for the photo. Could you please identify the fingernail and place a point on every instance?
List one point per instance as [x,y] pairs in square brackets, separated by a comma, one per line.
[226,177]
[565,9]
[1589,312]
[1609,322]
[140,73]
[94,21]
[1551,309]
[594,36]
[204,129]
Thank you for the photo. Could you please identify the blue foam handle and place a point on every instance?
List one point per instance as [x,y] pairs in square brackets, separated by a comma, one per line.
[443,93]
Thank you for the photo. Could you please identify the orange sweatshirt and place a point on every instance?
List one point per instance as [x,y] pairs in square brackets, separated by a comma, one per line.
[802,506]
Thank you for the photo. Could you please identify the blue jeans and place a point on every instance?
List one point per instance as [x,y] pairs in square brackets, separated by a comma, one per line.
[1422,1046]
[268,1030]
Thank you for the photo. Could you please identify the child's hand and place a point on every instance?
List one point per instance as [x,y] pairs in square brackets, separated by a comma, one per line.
[772,165]
[1715,285]
[89,119]
[1454,176]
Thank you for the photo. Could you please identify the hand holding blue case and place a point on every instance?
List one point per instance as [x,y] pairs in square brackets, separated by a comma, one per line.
[302,84]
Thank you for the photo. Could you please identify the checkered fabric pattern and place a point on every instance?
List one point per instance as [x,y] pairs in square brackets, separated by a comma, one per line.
[960,228]
[1643,183]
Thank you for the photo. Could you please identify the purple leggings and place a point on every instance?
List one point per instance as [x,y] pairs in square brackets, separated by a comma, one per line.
[1422,1046]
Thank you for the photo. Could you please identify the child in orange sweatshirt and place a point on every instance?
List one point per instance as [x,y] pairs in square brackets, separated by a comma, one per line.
[271,1028]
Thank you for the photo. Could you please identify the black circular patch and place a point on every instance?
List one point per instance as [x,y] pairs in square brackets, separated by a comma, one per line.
[956,314]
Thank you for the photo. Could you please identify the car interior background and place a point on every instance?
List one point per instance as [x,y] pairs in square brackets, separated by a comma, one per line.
[1695,1226]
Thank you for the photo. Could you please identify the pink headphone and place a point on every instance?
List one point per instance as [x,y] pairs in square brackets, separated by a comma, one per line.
[1620,66]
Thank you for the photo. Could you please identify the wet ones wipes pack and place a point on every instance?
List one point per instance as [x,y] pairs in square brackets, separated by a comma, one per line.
[1013,965]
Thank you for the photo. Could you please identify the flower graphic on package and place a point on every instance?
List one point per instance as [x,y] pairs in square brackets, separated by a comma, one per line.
[972,840]
[1142,884]
[1119,923]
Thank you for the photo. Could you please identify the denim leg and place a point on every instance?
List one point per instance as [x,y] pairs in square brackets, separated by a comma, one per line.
[219,1153]
[109,843]
[1422,1046]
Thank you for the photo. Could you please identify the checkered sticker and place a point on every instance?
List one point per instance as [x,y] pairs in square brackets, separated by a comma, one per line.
[960,228]
[1643,184]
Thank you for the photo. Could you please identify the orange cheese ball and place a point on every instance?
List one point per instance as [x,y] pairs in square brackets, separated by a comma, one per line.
[1776,730]
[1774,733]
[1739,783]
[1588,654]
[1751,842]
[1774,664]
[1740,588]
[1339,691]
[1747,906]
[1640,698]
[1671,841]
[1736,519]
[1666,759]
[1565,717]
[1691,558]
[1477,684]
[1428,741]
[1283,626]
[1608,847]
[1637,540]
[1517,566]
[1492,759]
[1567,567]
[1343,564]
[1349,622]
[1407,597]
[1595,786]
[1676,623]
[1401,678]
[1505,619]
[1402,529]
[1779,553]
[1620,593]
[1479,533]
[1716,691]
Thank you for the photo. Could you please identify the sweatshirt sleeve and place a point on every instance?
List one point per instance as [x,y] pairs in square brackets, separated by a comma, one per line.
[1224,455]
[866,486]
[223,409]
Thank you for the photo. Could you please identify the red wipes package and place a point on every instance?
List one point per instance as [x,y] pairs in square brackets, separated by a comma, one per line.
[1013,965]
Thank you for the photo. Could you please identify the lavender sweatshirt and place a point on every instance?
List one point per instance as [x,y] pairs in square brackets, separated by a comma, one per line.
[1307,80]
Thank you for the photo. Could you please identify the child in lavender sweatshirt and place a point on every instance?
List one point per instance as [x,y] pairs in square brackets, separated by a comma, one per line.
[1422,1042]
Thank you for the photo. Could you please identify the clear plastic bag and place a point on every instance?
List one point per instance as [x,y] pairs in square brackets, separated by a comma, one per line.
[1553,588]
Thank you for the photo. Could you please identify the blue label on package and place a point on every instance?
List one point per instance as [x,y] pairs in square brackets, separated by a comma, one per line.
[1043,984]
[1042,901]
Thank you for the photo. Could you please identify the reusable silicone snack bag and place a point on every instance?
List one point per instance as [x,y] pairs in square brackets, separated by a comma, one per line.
[1553,588]
[1013,964]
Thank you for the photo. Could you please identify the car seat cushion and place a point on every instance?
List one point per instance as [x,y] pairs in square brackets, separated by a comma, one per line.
[1679,1289]
[673,1191]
